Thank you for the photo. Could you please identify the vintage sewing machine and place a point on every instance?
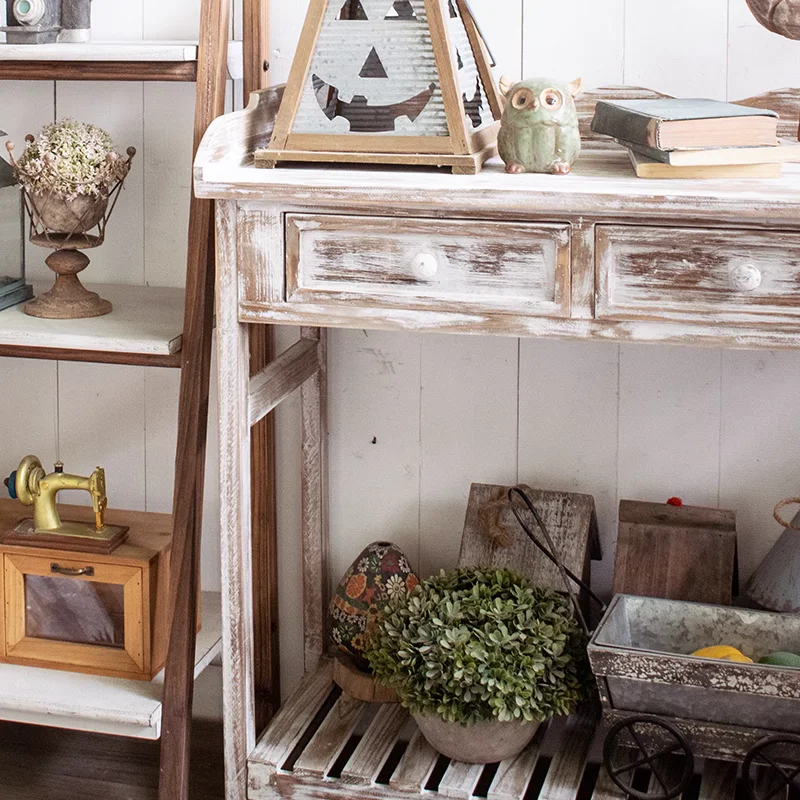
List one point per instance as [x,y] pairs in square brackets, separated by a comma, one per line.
[32,486]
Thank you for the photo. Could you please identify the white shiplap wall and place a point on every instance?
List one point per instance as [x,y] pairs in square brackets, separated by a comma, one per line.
[715,427]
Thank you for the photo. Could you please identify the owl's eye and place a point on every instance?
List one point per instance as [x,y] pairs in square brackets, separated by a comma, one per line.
[552,99]
[522,99]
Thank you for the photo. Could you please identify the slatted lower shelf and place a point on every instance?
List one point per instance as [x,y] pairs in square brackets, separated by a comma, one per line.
[323,744]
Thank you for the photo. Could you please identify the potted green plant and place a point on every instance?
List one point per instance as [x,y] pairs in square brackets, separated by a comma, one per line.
[481,657]
[68,174]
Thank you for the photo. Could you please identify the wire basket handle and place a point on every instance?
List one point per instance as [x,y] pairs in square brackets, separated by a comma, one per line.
[550,552]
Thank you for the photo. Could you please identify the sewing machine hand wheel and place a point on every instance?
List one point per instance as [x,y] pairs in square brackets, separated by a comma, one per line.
[27,475]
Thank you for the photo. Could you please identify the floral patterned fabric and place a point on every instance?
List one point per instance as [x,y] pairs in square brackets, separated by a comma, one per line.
[380,572]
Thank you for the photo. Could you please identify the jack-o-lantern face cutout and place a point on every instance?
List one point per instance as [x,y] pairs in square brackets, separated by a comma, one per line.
[374,71]
[362,77]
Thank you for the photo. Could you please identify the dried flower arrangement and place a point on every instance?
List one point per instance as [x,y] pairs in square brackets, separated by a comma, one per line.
[70,159]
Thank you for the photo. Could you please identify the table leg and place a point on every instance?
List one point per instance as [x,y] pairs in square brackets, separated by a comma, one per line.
[314,490]
[235,512]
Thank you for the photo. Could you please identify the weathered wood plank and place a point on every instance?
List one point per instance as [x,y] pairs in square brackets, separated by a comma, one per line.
[565,773]
[686,553]
[492,535]
[514,775]
[606,789]
[314,491]
[294,717]
[459,780]
[330,739]
[719,780]
[376,744]
[415,767]
[670,771]
[281,377]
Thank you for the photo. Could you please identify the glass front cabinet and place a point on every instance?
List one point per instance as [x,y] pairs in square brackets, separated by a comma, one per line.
[101,614]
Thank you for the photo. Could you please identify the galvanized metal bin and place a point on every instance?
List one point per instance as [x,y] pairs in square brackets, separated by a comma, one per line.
[640,654]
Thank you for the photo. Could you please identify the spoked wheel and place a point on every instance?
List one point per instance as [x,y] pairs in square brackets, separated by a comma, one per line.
[652,743]
[777,759]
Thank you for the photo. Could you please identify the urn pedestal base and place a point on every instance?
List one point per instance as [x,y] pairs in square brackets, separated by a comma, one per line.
[69,298]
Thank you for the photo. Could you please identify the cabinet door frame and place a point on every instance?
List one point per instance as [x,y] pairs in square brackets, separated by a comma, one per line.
[131,661]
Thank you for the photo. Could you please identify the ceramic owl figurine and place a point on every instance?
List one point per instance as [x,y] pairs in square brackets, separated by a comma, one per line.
[539,131]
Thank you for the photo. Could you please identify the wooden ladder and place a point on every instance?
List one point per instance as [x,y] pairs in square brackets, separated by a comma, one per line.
[190,458]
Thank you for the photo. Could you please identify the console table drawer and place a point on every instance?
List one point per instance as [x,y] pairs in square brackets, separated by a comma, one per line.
[697,274]
[466,267]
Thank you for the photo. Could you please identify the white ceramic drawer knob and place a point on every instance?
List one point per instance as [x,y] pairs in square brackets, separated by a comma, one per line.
[424,266]
[746,277]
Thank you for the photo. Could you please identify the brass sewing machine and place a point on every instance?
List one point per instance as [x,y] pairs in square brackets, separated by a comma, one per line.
[32,486]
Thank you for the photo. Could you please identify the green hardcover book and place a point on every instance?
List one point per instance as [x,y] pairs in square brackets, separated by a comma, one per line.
[678,124]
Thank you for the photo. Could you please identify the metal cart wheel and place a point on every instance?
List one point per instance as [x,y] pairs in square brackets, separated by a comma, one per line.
[779,756]
[635,735]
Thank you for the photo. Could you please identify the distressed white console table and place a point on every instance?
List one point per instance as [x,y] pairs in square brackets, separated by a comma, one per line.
[599,254]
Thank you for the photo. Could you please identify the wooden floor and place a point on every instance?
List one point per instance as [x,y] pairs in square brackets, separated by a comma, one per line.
[48,764]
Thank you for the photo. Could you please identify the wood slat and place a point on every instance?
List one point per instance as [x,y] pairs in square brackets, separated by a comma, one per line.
[376,744]
[330,739]
[190,457]
[294,717]
[416,765]
[719,780]
[460,779]
[565,773]
[288,372]
[606,789]
[314,498]
[670,771]
[263,511]
[514,775]
[185,71]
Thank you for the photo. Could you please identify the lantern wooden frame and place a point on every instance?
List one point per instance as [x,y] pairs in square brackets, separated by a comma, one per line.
[462,149]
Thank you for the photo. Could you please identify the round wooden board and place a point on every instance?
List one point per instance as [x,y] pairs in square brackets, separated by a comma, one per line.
[360,685]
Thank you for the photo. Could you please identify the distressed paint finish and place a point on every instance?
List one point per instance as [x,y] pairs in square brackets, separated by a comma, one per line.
[372,261]
[373,287]
[674,274]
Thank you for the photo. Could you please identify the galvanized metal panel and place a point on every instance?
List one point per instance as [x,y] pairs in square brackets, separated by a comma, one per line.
[405,50]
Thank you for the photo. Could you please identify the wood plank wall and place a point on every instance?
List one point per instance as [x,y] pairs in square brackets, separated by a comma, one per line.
[716,427]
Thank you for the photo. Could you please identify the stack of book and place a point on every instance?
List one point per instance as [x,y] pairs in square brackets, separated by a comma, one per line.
[674,138]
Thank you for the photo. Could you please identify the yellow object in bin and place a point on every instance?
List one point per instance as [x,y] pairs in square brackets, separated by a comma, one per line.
[724,653]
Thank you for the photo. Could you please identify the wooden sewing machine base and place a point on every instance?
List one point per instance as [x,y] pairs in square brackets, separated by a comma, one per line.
[25,535]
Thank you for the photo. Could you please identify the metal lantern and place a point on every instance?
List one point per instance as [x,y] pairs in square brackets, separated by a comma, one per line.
[13,288]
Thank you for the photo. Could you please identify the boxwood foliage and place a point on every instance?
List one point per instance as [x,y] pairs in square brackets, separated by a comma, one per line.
[480,644]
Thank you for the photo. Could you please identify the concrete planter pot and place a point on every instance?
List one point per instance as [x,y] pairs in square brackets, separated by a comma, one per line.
[482,743]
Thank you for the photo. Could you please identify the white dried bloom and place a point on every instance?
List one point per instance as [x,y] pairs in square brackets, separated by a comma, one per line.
[71,158]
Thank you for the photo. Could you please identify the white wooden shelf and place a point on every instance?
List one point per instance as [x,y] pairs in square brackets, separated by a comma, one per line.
[145,327]
[88,61]
[103,705]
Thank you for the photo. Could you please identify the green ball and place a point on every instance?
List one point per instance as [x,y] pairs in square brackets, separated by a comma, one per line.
[781,659]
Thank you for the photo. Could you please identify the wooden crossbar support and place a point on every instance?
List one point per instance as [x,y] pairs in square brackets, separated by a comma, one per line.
[281,377]
[212,73]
